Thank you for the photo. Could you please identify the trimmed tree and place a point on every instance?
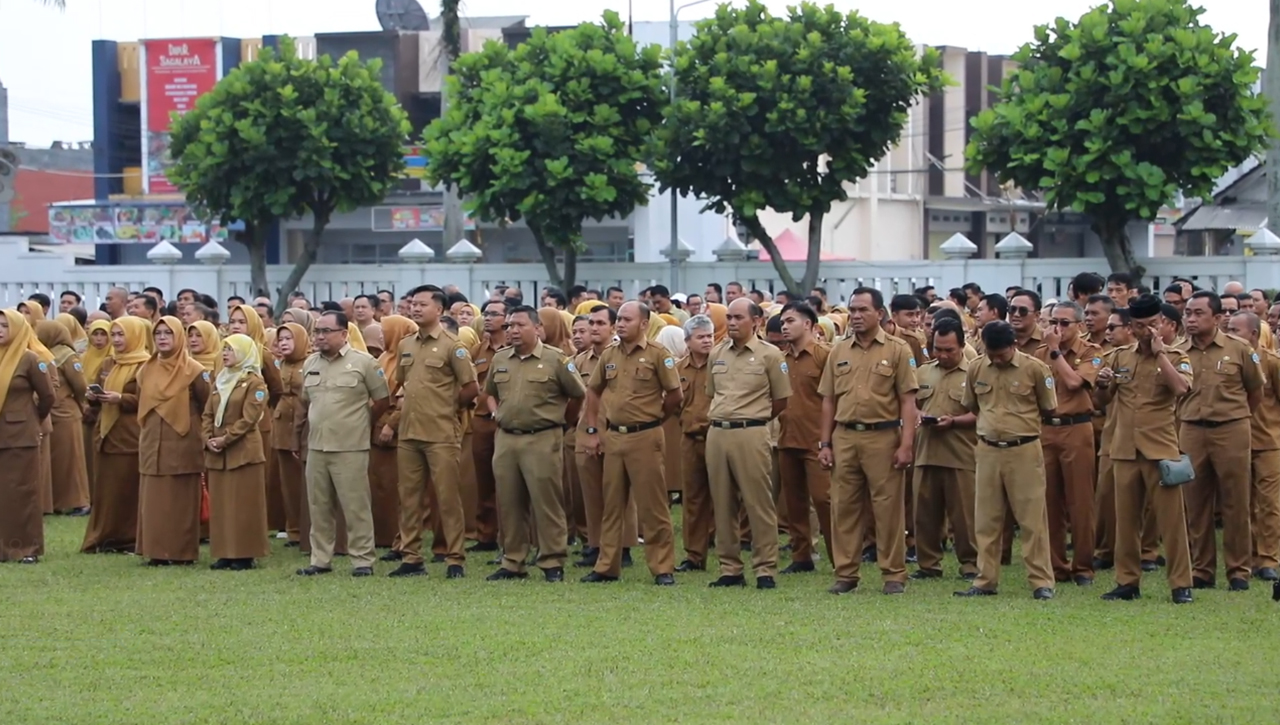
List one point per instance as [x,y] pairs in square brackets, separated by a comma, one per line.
[551,132]
[784,112]
[1115,113]
[282,136]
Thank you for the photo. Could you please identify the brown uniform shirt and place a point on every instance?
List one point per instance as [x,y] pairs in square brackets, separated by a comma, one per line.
[696,403]
[482,358]
[336,394]
[284,431]
[1226,371]
[161,451]
[867,381]
[1033,343]
[242,445]
[70,400]
[942,393]
[1143,405]
[587,362]
[532,392]
[433,367]
[801,422]
[914,340]
[1265,424]
[745,380]
[1086,359]
[123,436]
[633,382]
[30,398]
[1009,399]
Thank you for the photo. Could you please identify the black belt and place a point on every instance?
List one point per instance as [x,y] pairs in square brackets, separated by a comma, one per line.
[516,432]
[1058,421]
[736,424]
[638,427]
[1211,423]
[1011,444]
[882,425]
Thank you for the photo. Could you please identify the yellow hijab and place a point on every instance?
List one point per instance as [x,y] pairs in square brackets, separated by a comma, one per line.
[79,340]
[21,339]
[248,360]
[355,339]
[137,333]
[94,357]
[56,340]
[165,378]
[655,326]
[211,358]
[34,311]
[587,307]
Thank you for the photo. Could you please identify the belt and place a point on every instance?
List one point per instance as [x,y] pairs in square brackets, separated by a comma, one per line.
[1065,420]
[638,427]
[882,425]
[736,424]
[1011,444]
[1211,423]
[517,432]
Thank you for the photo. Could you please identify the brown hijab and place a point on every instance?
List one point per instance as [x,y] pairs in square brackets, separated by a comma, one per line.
[164,380]
[394,329]
[55,337]
[719,315]
[554,332]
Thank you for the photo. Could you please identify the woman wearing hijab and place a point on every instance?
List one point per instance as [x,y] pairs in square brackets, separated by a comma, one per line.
[246,321]
[373,339]
[294,345]
[467,464]
[355,338]
[719,315]
[26,396]
[79,339]
[234,457]
[205,345]
[299,317]
[384,475]
[70,477]
[173,390]
[34,312]
[113,520]
[672,338]
[97,353]
[554,330]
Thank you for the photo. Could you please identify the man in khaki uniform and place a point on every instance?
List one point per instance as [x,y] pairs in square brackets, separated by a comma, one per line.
[337,385]
[868,388]
[1215,425]
[1141,384]
[944,463]
[638,389]
[484,429]
[438,380]
[1009,391]
[1264,498]
[749,387]
[1118,335]
[532,384]
[698,514]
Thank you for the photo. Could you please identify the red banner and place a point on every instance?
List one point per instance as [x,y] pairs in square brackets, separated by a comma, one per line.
[176,73]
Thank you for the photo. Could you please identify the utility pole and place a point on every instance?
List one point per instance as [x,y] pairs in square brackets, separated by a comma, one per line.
[453,229]
[674,242]
[1271,87]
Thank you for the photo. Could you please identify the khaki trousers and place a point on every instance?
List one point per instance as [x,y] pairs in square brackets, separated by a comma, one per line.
[482,437]
[805,488]
[1264,509]
[470,494]
[575,511]
[633,468]
[591,475]
[942,495]
[1221,458]
[866,488]
[740,472]
[1105,506]
[1011,480]
[528,472]
[340,478]
[433,465]
[1069,473]
[698,520]
[1137,489]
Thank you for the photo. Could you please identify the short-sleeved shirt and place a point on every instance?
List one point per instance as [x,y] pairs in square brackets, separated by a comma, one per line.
[481,357]
[1033,343]
[867,380]
[914,340]
[801,422]
[1265,424]
[942,393]
[1009,399]
[631,381]
[337,394]
[1143,405]
[433,367]
[696,403]
[745,380]
[1086,359]
[532,391]
[1226,371]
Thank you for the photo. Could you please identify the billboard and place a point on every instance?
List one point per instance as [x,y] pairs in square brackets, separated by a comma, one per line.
[131,224]
[174,74]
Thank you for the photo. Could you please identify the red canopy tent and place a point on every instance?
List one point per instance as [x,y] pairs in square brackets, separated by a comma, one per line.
[794,249]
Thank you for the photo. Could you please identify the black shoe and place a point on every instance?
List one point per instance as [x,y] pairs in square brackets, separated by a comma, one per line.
[744,545]
[496,561]
[314,570]
[1238,585]
[1123,593]
[1198,583]
[483,546]
[361,571]
[687,566]
[405,570]
[502,575]
[843,587]
[626,558]
[596,577]
[241,564]
[974,592]
[221,565]
[158,562]
[1103,564]
[784,547]
[729,581]
[765,582]
[29,560]
[1042,594]
[1182,596]
[438,558]
[81,511]
[1149,566]
[1160,561]
[869,554]
[392,555]
[455,571]
[665,580]
[1267,574]
[1083,581]
[291,544]
[968,575]
[553,575]
[799,567]
[911,555]
[919,574]
[587,562]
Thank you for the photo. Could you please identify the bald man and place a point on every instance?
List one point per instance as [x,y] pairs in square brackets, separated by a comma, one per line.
[1232,288]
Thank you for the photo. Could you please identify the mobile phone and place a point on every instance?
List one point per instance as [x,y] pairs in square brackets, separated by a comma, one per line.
[928,420]
[96,389]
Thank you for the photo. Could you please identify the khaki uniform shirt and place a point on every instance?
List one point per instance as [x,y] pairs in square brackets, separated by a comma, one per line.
[696,403]
[942,393]
[1086,359]
[915,340]
[634,381]
[482,356]
[336,394]
[867,381]
[1265,424]
[1033,343]
[801,422]
[433,367]
[1009,399]
[587,363]
[1143,405]
[745,380]
[1226,371]
[532,391]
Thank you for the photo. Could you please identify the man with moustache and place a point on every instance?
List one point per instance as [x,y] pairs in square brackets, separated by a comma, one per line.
[698,514]
[1264,498]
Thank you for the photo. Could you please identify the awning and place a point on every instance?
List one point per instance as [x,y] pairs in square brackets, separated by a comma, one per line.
[1247,217]
[794,249]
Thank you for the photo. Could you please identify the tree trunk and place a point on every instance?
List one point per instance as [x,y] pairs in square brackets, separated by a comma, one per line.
[570,276]
[1271,79]
[779,264]
[814,258]
[310,249]
[1116,245]
[253,239]
[452,46]
[548,254]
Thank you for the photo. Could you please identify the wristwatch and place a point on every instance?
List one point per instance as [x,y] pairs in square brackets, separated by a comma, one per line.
[592,431]
[1054,354]
[824,444]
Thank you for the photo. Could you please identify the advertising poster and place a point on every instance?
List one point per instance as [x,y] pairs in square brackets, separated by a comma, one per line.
[126,224]
[174,74]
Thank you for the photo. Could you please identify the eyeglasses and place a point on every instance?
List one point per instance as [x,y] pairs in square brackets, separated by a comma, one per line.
[495,314]
[1113,328]
[326,330]
[1062,323]
[1020,311]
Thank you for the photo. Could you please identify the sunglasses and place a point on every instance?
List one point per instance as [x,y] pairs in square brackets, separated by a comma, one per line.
[1020,311]
[1113,328]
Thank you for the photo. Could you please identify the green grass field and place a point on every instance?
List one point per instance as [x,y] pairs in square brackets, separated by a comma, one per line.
[101,639]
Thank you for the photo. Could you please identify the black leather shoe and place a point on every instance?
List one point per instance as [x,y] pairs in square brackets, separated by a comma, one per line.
[314,571]
[842,587]
[455,571]
[241,564]
[1160,561]
[505,575]
[1198,583]
[1149,566]
[975,592]
[362,571]
[729,581]
[158,562]
[392,555]
[894,588]
[438,558]
[869,554]
[665,580]
[81,511]
[29,560]
[587,561]
[626,558]
[1126,593]
[1082,580]
[553,575]
[744,545]
[911,555]
[596,577]
[766,582]
[408,570]
[1042,594]
[1238,585]
[968,575]
[483,546]
[686,566]
[1103,564]
[1182,596]
[291,544]
[1267,574]
[496,561]
[919,574]
[799,567]
[221,565]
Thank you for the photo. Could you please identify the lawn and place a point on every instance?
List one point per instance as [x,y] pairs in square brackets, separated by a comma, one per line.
[101,639]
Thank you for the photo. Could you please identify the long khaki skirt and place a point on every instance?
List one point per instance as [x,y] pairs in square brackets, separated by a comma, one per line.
[113,523]
[169,517]
[21,516]
[238,513]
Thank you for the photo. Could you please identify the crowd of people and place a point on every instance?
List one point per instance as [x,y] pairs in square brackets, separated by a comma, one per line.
[1108,429]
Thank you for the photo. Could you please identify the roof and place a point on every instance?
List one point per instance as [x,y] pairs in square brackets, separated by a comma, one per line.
[793,249]
[1243,215]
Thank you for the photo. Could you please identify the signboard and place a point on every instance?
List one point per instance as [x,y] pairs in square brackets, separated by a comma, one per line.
[415,163]
[126,224]
[412,219]
[174,74]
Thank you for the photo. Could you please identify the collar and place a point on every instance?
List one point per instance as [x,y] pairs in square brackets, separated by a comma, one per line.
[342,352]
[1012,363]
[808,348]
[537,351]
[880,338]
[750,344]
[642,344]
[689,361]
[432,334]
[1219,340]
